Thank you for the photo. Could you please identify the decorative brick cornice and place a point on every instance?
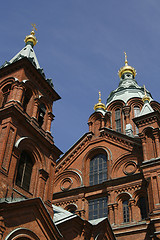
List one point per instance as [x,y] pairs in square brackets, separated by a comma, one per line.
[74,152]
[119,138]
[147,119]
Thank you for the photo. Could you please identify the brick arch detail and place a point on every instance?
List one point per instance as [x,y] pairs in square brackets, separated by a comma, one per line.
[42,99]
[155,105]
[22,232]
[123,196]
[30,85]
[135,102]
[72,176]
[139,193]
[122,160]
[116,104]
[7,81]
[27,143]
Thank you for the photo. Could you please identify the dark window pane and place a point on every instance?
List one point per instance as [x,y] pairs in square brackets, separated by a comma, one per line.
[98,208]
[24,171]
[118,120]
[125,211]
[98,169]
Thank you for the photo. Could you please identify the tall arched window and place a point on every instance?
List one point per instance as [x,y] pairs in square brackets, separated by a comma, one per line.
[143,208]
[125,211]
[118,120]
[26,99]
[136,114]
[6,91]
[41,114]
[98,169]
[24,170]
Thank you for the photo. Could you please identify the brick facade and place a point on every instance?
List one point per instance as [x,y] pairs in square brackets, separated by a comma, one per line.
[106,186]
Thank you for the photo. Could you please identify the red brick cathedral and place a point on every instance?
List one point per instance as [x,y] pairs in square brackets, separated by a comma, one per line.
[105,187]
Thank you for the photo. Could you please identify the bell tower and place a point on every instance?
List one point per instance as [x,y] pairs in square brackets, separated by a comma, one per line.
[27,150]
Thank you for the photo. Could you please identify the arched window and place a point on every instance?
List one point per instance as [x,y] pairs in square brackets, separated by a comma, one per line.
[6,91]
[136,114]
[41,114]
[98,208]
[125,211]
[143,208]
[24,171]
[26,99]
[118,120]
[98,169]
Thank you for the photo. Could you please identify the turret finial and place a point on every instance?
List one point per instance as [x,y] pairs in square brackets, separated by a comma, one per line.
[126,61]
[145,98]
[31,39]
[99,100]
[126,68]
[99,105]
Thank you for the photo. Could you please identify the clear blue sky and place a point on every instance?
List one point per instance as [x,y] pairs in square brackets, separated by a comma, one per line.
[80,46]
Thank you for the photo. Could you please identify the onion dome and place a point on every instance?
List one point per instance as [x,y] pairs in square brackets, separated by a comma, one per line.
[126,68]
[99,105]
[128,87]
[31,39]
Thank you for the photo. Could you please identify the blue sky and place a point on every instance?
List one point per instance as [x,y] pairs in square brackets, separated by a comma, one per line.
[80,46]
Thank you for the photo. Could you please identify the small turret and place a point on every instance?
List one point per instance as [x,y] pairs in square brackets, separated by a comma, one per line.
[31,39]
[99,106]
[126,68]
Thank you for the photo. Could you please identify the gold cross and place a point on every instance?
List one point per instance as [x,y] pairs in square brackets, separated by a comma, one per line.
[34,27]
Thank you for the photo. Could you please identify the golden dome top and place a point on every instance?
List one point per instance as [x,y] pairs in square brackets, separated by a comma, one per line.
[99,105]
[31,38]
[126,68]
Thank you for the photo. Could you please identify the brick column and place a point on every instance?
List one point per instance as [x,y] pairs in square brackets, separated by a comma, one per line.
[35,108]
[13,92]
[19,93]
[156,136]
[115,206]
[43,176]
[111,213]
[144,147]
[132,210]
[49,120]
[126,110]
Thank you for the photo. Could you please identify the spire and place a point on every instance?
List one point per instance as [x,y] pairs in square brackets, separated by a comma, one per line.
[126,68]
[27,51]
[99,105]
[31,39]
